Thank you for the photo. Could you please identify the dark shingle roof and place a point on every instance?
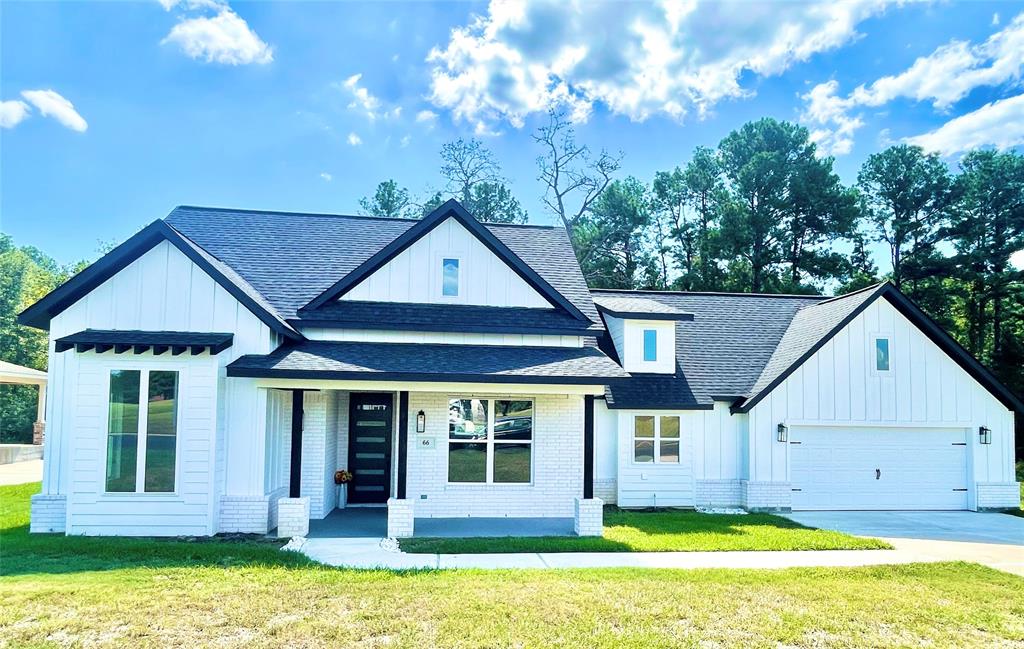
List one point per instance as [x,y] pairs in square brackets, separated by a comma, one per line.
[125,338]
[638,307]
[719,355]
[291,258]
[443,317]
[430,362]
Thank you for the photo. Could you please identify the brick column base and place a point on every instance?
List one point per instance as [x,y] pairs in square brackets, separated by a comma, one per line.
[292,517]
[400,518]
[48,513]
[38,432]
[589,517]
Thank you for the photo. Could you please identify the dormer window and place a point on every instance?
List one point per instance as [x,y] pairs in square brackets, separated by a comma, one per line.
[450,277]
[650,345]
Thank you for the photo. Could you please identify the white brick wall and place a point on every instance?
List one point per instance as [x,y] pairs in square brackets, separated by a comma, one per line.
[48,513]
[273,499]
[293,517]
[718,493]
[998,495]
[589,517]
[605,490]
[766,496]
[401,518]
[557,464]
[246,514]
[319,442]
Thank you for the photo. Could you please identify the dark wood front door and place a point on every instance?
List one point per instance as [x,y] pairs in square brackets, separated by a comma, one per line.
[369,447]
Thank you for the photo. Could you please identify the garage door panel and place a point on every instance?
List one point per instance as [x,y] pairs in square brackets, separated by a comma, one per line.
[835,468]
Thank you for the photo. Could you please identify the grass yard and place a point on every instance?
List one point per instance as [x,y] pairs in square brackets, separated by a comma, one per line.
[665,531]
[116,592]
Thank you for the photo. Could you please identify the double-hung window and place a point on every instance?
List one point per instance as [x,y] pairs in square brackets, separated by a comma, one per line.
[490,441]
[656,439]
[142,425]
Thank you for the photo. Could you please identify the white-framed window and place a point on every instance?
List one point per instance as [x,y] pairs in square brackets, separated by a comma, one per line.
[490,441]
[142,426]
[656,439]
[881,353]
[450,276]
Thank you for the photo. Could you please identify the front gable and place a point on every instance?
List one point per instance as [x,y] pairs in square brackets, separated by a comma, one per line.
[451,215]
[476,275]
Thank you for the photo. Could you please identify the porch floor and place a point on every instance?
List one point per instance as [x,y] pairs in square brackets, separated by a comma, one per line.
[372,522]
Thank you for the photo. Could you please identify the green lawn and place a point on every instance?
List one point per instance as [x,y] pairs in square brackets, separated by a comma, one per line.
[116,592]
[665,531]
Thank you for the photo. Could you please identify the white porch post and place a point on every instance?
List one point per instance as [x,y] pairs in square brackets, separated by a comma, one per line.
[39,426]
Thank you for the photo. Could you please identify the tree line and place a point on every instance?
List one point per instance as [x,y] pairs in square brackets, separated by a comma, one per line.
[763,212]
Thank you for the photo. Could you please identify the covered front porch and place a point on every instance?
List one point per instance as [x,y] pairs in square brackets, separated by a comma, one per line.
[372,522]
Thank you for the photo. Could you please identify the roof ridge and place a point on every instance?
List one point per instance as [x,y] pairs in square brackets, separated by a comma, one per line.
[866,289]
[329,215]
[721,293]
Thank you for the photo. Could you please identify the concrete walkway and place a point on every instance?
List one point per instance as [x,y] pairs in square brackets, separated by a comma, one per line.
[382,553]
[21,472]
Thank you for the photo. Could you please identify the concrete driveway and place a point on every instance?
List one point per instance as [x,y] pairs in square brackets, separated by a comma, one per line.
[970,527]
[994,540]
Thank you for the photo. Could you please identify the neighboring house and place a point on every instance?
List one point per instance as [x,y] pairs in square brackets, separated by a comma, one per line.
[214,371]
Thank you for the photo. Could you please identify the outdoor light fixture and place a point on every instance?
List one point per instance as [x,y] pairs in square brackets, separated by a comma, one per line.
[783,433]
[985,435]
[421,422]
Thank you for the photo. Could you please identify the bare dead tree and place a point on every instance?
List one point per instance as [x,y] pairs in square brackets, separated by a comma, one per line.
[465,163]
[573,178]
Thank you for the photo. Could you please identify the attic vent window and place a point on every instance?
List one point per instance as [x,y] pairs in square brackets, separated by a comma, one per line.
[882,355]
[450,277]
[650,345]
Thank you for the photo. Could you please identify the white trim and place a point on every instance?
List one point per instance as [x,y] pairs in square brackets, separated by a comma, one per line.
[424,386]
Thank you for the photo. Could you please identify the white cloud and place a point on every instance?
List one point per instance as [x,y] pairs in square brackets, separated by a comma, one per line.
[225,38]
[999,124]
[363,100]
[192,4]
[404,142]
[51,104]
[1017,259]
[12,112]
[995,19]
[354,139]
[326,176]
[638,59]
[943,77]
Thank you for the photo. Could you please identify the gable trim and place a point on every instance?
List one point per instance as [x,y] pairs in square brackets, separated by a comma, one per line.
[450,209]
[38,315]
[926,325]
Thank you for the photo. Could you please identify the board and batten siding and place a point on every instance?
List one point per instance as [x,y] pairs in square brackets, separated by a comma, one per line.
[221,423]
[414,275]
[710,451]
[838,385]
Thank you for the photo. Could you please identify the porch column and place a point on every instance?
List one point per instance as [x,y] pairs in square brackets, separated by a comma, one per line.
[403,441]
[39,426]
[293,511]
[588,446]
[295,475]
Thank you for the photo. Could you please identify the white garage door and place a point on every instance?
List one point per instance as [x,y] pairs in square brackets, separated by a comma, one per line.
[878,468]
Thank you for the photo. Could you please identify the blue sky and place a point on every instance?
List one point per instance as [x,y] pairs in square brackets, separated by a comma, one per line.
[113,113]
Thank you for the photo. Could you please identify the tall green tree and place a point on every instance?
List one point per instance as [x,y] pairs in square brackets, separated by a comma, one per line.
[786,207]
[986,227]
[473,176]
[389,201]
[26,274]
[907,194]
[693,199]
[611,238]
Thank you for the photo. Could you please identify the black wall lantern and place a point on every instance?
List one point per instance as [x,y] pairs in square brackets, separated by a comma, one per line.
[421,422]
[985,435]
[782,433]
